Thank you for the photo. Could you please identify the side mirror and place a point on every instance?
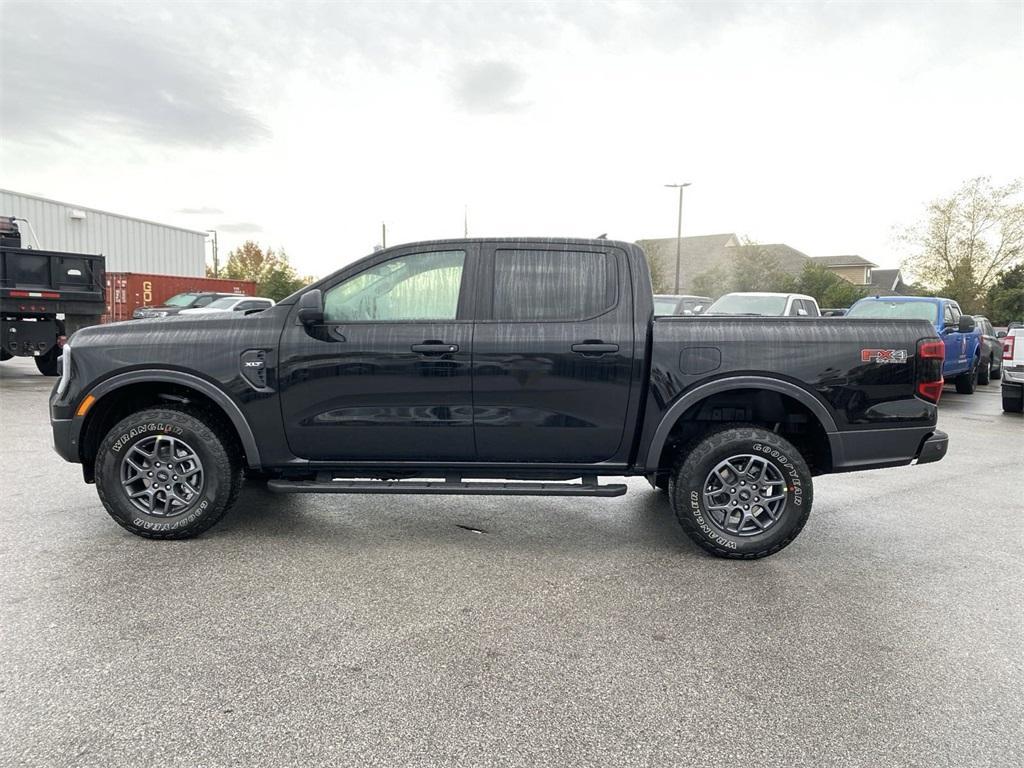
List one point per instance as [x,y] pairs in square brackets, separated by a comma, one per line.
[966,324]
[311,308]
[801,312]
[1000,334]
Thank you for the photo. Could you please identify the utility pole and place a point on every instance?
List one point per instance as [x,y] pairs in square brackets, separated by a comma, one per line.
[679,230]
[216,263]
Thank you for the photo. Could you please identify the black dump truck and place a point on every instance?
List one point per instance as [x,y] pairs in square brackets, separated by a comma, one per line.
[45,296]
[499,367]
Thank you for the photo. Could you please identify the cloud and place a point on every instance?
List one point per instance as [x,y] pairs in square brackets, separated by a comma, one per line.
[202,211]
[70,68]
[242,227]
[490,87]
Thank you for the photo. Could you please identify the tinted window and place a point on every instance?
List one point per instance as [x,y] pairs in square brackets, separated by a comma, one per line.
[895,310]
[181,300]
[202,301]
[956,313]
[552,285]
[419,286]
[812,310]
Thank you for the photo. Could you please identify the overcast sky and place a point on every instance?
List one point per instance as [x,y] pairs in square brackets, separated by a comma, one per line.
[821,125]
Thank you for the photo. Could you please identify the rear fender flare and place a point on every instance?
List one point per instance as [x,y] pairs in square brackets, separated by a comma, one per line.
[691,398]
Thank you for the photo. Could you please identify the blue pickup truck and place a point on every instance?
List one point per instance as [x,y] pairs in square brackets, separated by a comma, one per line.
[956,329]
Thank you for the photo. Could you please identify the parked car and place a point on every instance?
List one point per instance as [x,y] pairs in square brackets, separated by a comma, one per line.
[1013,369]
[502,367]
[765,305]
[177,303]
[232,304]
[959,332]
[667,304]
[990,365]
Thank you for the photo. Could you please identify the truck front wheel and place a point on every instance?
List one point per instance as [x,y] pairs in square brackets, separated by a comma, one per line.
[168,473]
[741,492]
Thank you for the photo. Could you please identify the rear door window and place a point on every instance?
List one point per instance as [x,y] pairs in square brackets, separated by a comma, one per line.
[535,285]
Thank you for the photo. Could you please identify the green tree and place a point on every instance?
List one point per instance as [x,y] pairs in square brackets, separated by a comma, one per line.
[828,288]
[1006,296]
[659,275]
[275,278]
[967,239]
[756,268]
[713,282]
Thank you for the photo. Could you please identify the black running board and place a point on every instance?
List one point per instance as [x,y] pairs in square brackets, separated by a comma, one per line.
[588,487]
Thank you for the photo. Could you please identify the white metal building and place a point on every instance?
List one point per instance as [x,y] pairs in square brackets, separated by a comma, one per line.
[129,244]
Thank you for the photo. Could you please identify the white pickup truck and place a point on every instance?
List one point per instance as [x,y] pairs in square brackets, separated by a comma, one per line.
[765,304]
[1013,371]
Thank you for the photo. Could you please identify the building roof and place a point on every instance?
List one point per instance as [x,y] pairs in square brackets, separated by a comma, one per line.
[850,260]
[703,253]
[886,278]
[76,206]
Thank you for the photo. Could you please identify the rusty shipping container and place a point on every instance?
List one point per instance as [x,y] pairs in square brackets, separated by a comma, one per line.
[127,291]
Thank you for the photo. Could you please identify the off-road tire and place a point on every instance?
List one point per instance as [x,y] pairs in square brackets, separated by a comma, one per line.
[47,364]
[967,382]
[985,372]
[696,462]
[214,444]
[997,370]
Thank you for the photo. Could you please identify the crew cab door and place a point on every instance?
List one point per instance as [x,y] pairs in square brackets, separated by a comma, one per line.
[553,353]
[387,375]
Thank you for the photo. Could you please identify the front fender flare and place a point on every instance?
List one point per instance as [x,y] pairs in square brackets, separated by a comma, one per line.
[217,395]
[694,396]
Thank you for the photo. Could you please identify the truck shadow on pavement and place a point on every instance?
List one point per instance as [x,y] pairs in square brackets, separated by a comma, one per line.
[642,518]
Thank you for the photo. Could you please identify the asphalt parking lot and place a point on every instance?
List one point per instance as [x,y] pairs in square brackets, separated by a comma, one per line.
[318,630]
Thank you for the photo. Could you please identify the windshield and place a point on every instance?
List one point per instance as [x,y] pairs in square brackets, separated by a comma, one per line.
[665,306]
[740,304]
[181,300]
[894,310]
[226,302]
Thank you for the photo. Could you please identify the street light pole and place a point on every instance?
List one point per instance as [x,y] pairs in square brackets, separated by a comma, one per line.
[679,230]
[216,264]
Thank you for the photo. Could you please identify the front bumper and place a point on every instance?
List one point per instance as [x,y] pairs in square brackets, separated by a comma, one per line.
[65,441]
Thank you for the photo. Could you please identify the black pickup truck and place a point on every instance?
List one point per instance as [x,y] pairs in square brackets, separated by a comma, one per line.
[511,367]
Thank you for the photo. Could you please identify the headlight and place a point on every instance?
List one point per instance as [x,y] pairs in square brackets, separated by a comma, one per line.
[65,370]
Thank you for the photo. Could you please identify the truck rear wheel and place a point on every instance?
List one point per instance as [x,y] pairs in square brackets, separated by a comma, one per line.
[967,382]
[168,473]
[741,492]
[47,364]
[985,372]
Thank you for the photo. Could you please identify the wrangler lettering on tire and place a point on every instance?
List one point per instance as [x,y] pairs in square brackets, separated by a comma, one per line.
[741,492]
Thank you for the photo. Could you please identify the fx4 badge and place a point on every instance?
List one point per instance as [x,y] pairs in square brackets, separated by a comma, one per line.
[883,356]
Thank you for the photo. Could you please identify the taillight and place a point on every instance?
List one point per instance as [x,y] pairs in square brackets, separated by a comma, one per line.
[1008,347]
[930,355]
